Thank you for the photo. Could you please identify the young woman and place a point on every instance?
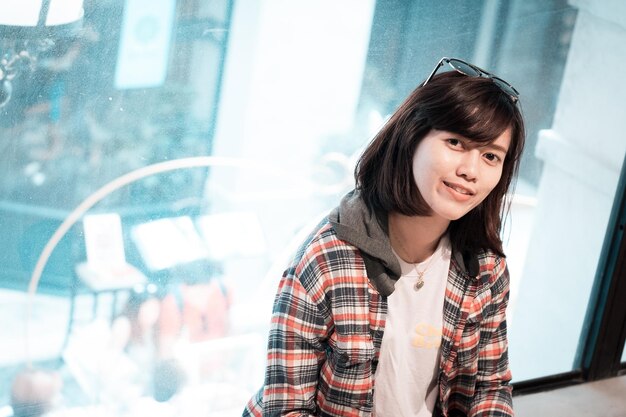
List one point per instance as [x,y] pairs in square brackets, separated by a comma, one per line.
[395,305]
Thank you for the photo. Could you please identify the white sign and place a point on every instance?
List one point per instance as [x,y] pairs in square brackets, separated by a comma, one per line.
[104,241]
[144,43]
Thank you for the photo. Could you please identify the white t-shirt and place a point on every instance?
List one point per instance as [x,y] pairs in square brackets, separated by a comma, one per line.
[405,383]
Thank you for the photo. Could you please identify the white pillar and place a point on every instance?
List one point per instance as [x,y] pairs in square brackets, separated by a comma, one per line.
[292,82]
[583,153]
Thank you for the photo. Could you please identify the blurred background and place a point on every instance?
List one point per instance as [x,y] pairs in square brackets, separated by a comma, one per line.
[158,298]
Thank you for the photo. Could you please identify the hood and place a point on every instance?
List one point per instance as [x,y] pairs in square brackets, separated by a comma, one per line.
[356,224]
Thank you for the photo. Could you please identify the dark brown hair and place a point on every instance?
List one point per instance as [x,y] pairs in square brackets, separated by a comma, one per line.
[473,107]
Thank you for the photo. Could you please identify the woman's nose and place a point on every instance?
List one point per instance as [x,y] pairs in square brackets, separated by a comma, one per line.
[469,164]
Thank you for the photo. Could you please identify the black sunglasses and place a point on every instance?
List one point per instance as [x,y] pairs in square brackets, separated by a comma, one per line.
[471,70]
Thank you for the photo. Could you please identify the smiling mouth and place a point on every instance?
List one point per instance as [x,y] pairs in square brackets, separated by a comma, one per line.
[458,188]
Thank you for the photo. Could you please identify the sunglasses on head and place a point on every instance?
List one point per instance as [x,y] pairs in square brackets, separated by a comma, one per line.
[471,70]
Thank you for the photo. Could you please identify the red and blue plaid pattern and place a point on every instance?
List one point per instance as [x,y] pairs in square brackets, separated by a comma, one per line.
[327,328]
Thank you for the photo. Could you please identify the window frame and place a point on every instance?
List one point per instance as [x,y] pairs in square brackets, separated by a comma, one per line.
[602,342]
[602,339]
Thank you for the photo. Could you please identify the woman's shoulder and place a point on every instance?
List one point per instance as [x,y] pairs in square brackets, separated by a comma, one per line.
[492,267]
[323,245]
[323,256]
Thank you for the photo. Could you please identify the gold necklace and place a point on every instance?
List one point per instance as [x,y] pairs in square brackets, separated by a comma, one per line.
[420,274]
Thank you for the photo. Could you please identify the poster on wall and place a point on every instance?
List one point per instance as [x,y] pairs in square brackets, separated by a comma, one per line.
[144,43]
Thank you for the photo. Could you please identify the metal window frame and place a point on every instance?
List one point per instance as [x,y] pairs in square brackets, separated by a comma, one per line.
[603,334]
[604,330]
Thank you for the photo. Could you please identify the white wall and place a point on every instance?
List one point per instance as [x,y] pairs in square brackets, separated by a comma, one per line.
[583,153]
[292,80]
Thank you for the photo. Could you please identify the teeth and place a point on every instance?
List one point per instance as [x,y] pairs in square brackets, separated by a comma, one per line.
[458,189]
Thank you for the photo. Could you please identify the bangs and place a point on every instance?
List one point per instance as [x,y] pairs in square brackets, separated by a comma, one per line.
[475,108]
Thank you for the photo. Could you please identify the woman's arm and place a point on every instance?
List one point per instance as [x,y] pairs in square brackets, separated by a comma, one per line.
[493,392]
[295,354]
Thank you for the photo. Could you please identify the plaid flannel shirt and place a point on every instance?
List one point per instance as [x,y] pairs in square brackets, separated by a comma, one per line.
[327,328]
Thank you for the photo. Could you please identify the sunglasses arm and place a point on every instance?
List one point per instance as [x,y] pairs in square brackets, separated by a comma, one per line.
[434,71]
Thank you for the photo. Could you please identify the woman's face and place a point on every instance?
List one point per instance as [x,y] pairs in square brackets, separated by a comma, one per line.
[455,174]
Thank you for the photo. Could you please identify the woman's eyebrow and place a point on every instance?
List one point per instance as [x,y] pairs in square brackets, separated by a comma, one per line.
[495,147]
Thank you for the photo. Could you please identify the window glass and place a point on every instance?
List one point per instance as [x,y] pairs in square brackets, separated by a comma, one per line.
[188,147]
[582,160]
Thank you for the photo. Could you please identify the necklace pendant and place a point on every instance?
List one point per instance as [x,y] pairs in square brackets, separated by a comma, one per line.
[419,284]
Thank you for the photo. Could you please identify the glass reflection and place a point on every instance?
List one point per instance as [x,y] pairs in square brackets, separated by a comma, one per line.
[293,90]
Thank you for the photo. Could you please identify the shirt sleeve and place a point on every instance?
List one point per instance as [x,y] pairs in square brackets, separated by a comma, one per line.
[296,352]
[493,393]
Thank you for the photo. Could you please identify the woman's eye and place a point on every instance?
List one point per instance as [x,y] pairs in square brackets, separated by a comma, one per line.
[492,157]
[454,142]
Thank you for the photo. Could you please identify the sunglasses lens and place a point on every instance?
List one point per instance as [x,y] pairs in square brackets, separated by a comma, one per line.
[463,68]
[505,87]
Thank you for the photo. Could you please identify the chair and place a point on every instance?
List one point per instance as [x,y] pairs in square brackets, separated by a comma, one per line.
[105,271]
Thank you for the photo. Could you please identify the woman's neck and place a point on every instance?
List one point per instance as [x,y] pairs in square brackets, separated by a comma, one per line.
[415,238]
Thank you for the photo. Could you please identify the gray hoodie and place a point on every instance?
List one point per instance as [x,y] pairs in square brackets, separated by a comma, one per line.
[356,224]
